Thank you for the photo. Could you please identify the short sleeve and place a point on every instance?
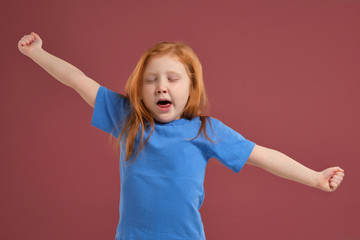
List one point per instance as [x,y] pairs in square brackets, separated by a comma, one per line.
[230,147]
[109,111]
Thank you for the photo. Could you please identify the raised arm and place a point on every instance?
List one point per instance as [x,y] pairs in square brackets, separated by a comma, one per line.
[283,166]
[31,46]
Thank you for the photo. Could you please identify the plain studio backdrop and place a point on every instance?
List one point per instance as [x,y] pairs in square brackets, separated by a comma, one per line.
[284,74]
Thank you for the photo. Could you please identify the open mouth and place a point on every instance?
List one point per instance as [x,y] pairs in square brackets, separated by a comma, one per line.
[164,105]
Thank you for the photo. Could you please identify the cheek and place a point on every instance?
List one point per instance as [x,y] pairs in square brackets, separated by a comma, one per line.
[145,92]
[147,96]
[185,96]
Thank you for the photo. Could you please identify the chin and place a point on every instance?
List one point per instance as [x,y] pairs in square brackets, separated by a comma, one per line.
[165,119]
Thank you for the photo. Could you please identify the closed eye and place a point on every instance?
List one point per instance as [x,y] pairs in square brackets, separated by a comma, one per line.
[150,80]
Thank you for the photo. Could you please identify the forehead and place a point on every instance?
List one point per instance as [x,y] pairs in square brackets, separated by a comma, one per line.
[163,64]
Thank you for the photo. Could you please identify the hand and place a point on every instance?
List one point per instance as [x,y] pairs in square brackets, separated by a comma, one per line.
[330,179]
[29,43]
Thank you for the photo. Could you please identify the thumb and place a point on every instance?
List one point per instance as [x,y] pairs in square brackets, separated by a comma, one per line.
[35,35]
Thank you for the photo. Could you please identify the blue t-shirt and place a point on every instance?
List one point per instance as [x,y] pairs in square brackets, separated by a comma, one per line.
[162,190]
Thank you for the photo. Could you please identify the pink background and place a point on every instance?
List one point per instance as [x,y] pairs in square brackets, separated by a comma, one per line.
[285,74]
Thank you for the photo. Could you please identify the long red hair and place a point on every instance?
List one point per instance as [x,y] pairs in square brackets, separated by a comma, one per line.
[139,117]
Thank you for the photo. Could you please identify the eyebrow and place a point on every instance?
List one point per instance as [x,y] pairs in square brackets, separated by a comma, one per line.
[151,73]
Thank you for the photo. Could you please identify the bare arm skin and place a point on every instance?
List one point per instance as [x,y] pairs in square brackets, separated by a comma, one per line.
[283,166]
[31,46]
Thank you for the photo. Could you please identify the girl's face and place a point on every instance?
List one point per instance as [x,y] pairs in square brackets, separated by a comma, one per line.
[165,88]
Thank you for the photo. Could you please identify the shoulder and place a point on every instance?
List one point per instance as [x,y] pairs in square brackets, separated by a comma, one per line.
[110,93]
[112,97]
[219,130]
[215,124]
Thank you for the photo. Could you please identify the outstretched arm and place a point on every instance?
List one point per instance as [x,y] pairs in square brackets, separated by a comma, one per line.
[283,166]
[31,46]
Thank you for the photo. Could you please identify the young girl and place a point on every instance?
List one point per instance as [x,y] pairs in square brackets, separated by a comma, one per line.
[165,140]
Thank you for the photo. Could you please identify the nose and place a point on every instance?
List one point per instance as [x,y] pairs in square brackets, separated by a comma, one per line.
[161,88]
[161,91]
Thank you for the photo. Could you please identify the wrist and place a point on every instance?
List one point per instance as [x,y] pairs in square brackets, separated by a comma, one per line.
[35,52]
[316,180]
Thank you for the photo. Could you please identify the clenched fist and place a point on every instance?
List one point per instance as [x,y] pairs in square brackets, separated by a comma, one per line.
[330,179]
[29,43]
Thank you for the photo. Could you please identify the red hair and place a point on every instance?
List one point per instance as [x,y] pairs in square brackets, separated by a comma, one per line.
[139,116]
